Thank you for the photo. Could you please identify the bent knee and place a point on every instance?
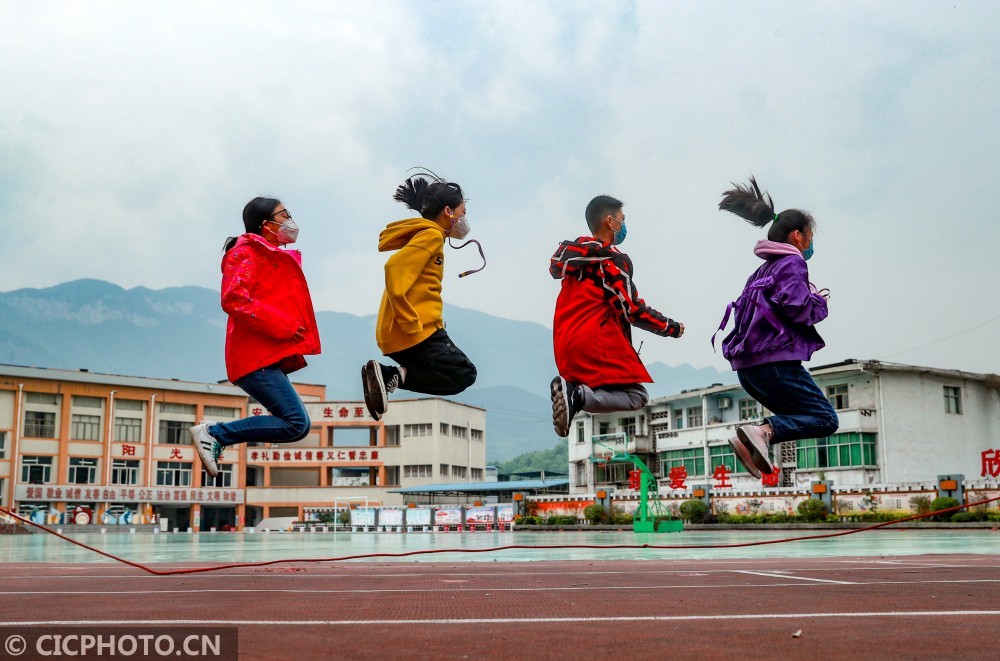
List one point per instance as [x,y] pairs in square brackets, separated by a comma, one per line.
[298,426]
[639,400]
[832,424]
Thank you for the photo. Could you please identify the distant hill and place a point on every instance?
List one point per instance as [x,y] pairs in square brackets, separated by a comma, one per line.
[179,332]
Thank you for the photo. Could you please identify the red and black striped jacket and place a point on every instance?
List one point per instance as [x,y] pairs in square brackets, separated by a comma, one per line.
[596,309]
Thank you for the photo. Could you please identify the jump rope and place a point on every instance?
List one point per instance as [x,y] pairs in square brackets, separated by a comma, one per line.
[508,547]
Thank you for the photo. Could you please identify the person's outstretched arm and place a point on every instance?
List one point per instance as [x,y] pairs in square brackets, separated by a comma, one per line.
[618,281]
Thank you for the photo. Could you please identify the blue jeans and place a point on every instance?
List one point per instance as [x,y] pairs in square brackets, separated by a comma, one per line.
[288,422]
[788,390]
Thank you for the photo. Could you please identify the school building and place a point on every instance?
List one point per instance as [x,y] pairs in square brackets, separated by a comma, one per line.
[898,424]
[82,447]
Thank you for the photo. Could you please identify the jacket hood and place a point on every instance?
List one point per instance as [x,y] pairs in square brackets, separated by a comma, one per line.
[573,256]
[250,238]
[765,249]
[398,234]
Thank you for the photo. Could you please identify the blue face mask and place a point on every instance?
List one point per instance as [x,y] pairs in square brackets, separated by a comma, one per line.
[620,235]
[808,252]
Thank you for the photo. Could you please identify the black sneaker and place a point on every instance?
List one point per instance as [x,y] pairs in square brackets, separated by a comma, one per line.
[392,378]
[567,401]
[376,397]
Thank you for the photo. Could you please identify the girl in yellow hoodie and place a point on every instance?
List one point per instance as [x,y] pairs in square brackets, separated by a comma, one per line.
[410,328]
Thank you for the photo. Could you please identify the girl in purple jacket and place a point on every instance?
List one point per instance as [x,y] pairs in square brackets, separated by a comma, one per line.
[775,330]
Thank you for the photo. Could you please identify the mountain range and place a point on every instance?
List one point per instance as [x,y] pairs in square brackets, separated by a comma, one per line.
[179,332]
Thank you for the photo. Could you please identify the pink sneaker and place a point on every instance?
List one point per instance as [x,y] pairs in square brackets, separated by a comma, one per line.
[758,442]
[744,456]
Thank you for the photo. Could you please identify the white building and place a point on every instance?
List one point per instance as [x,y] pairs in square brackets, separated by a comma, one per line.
[898,423]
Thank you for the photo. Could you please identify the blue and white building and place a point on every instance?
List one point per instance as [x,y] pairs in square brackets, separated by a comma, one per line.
[898,424]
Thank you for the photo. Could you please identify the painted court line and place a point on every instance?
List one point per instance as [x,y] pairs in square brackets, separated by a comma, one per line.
[786,576]
[503,589]
[311,573]
[506,620]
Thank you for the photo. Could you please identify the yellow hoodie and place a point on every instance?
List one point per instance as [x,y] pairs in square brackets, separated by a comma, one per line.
[411,305]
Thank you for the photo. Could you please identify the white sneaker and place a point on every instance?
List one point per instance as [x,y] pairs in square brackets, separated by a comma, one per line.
[744,456]
[758,442]
[209,449]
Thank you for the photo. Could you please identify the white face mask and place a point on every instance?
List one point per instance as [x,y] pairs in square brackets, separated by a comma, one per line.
[288,232]
[459,228]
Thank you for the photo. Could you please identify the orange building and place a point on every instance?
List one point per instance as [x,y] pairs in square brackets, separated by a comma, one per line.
[82,447]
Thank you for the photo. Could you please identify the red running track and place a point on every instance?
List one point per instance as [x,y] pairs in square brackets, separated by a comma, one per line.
[910,607]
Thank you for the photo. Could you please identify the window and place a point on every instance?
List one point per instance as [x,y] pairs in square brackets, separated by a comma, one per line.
[41,398]
[417,430]
[611,473]
[216,412]
[421,470]
[125,471]
[392,476]
[477,434]
[693,459]
[82,471]
[694,416]
[128,405]
[748,409]
[3,445]
[36,470]
[444,429]
[85,427]
[627,425]
[579,432]
[580,473]
[952,400]
[39,424]
[444,470]
[459,471]
[392,437]
[837,396]
[723,455]
[223,479]
[187,409]
[87,402]
[603,428]
[174,432]
[173,474]
[839,450]
[128,430]
[679,419]
[459,432]
[477,474]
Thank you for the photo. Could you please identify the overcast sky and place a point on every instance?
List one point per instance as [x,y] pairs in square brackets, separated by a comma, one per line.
[132,134]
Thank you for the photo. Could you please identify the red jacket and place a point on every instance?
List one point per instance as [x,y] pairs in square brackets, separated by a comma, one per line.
[265,294]
[595,312]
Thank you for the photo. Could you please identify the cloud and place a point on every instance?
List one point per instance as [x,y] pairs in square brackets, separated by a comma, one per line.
[134,133]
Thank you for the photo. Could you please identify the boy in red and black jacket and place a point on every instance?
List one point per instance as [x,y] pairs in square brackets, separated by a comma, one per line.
[599,371]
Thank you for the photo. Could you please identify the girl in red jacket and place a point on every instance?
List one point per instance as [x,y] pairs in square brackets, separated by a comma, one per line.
[599,371]
[271,326]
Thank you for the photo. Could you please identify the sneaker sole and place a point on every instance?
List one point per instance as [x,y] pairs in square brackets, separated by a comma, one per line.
[371,378]
[744,456]
[206,458]
[762,463]
[560,406]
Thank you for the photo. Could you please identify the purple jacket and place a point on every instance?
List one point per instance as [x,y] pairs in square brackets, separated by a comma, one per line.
[776,314]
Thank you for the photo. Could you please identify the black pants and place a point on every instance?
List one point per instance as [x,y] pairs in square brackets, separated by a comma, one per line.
[436,366]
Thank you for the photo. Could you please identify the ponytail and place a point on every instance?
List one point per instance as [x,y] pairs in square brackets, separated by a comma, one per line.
[428,198]
[757,208]
[255,213]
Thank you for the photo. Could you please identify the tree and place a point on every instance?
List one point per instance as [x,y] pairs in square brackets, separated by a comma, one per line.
[555,460]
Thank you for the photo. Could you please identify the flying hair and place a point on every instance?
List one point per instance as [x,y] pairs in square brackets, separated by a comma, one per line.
[428,198]
[749,203]
[757,208]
